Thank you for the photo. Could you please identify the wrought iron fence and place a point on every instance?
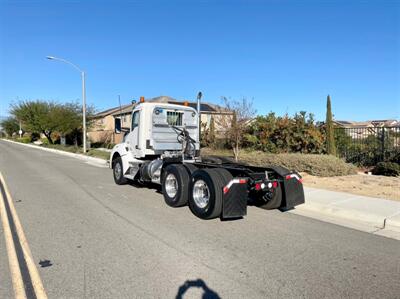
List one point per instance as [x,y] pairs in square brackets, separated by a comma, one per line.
[368,145]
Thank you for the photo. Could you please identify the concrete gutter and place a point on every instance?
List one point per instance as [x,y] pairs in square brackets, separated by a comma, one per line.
[393,222]
[376,213]
[90,160]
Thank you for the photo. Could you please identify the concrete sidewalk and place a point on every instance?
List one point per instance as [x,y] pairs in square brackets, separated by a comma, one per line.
[375,214]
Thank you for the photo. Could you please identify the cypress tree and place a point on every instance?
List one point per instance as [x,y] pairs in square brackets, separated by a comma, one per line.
[330,137]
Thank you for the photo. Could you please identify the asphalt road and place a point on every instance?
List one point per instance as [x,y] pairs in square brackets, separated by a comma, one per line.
[109,241]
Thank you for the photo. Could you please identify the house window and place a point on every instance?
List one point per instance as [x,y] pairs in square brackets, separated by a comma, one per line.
[174,118]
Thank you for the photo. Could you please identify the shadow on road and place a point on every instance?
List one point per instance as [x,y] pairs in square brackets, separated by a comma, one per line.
[155,187]
[199,283]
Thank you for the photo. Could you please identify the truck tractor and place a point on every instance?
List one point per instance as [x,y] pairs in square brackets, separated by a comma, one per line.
[162,146]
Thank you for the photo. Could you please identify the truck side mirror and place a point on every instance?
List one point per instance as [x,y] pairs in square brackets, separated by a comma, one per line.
[117,125]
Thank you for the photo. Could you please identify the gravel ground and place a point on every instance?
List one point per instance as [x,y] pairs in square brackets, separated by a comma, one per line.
[361,184]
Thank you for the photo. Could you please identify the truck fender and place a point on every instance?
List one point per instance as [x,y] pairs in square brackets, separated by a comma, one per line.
[121,150]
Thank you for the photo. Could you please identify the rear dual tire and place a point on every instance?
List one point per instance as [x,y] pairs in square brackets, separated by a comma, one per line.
[206,196]
[201,188]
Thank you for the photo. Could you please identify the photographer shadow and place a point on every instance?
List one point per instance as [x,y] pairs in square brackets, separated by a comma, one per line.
[199,283]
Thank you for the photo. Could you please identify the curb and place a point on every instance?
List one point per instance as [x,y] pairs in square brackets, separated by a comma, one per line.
[98,161]
[346,214]
[393,222]
[376,213]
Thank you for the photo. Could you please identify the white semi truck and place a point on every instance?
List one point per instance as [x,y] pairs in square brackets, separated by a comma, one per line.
[162,146]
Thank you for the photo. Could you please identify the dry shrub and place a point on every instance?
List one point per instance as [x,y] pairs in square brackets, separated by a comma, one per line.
[318,165]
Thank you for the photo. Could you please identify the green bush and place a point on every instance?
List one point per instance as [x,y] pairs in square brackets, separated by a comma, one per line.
[387,169]
[99,154]
[394,156]
[276,134]
[45,141]
[25,139]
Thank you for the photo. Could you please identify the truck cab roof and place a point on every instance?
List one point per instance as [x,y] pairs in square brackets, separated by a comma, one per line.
[150,105]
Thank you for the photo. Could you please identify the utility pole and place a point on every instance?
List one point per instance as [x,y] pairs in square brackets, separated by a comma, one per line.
[20,130]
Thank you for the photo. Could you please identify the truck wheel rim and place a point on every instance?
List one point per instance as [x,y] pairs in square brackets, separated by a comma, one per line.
[117,170]
[201,194]
[171,185]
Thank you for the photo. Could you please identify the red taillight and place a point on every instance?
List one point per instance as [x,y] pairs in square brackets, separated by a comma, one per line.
[233,181]
[275,184]
[257,186]
[294,176]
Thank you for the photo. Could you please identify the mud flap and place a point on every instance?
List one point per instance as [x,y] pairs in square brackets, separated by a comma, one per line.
[292,188]
[234,204]
[292,193]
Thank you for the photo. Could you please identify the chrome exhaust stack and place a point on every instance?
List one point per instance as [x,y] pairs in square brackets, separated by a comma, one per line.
[199,95]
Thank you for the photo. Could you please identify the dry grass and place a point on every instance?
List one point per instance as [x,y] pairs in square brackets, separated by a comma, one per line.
[318,165]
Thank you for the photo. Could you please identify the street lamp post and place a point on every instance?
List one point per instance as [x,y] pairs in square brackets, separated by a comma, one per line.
[83,95]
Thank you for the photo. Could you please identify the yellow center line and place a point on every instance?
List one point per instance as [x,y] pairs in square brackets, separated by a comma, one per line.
[16,275]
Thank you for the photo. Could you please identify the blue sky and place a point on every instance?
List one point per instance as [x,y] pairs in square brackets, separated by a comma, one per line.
[286,55]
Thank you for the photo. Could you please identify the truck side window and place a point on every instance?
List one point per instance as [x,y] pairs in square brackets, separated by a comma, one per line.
[135,120]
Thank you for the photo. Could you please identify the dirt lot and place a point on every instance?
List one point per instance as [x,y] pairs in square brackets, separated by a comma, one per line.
[362,184]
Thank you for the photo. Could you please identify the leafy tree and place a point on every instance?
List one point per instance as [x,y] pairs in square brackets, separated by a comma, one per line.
[330,137]
[37,116]
[69,118]
[10,125]
[49,117]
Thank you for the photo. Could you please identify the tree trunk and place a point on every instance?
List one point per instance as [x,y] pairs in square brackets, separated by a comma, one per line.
[236,148]
[48,136]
